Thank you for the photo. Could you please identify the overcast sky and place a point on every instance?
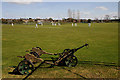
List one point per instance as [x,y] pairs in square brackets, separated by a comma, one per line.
[58,9]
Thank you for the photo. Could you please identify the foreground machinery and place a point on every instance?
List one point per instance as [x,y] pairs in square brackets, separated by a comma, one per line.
[66,58]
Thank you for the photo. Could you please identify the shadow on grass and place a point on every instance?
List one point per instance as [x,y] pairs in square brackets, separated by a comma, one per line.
[53,67]
[79,62]
[39,66]
[74,73]
[98,63]
[14,72]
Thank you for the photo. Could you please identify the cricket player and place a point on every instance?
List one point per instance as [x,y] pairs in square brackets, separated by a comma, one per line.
[72,24]
[41,24]
[12,24]
[59,24]
[36,26]
[75,24]
[55,24]
[52,23]
[89,22]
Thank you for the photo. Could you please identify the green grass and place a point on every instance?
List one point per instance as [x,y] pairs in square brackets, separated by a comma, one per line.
[101,37]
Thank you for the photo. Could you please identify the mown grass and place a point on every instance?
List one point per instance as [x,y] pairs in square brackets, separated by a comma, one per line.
[101,37]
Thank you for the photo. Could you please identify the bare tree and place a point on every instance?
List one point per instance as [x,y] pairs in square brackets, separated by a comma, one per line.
[78,14]
[97,20]
[119,10]
[107,17]
[114,17]
[69,13]
[73,14]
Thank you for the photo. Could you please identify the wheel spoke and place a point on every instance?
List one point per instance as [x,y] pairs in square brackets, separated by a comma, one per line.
[23,71]
[20,67]
[70,64]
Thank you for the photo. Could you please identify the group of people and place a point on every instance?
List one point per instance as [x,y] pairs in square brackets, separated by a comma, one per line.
[57,23]
[75,23]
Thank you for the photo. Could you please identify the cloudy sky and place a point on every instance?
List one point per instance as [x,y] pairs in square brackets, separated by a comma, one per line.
[57,10]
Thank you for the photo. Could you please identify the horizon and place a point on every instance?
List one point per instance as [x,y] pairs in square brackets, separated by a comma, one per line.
[59,10]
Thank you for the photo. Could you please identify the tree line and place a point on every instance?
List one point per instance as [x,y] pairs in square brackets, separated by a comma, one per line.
[64,20]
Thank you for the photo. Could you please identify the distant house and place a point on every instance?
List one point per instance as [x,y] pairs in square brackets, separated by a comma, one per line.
[25,20]
[39,21]
[9,21]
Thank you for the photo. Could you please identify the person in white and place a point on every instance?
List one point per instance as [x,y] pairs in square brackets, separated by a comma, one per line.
[41,24]
[12,24]
[52,23]
[36,26]
[89,22]
[75,24]
[59,24]
[72,24]
[55,24]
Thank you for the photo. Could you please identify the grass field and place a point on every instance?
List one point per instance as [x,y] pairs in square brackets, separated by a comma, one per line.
[98,61]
